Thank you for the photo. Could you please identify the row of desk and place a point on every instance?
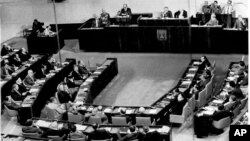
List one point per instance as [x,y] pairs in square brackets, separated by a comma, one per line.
[203,118]
[32,105]
[171,39]
[87,128]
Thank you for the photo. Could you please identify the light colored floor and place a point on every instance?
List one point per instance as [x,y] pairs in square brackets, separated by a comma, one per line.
[140,75]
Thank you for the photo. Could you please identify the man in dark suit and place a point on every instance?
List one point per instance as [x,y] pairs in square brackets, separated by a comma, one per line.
[11,105]
[82,68]
[126,11]
[41,72]
[6,49]
[24,55]
[104,19]
[236,91]
[16,94]
[75,134]
[166,13]
[22,88]
[98,134]
[63,94]
[16,61]
[180,14]
[6,70]
[240,24]
[29,80]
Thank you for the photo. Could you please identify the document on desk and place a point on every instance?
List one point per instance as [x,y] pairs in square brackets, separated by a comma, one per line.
[165,129]
[34,90]
[80,127]
[217,101]
[193,69]
[152,111]
[42,123]
[130,111]
[108,110]
[190,75]
[208,112]
[89,80]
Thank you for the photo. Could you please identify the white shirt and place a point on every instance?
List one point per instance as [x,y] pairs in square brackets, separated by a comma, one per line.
[228,9]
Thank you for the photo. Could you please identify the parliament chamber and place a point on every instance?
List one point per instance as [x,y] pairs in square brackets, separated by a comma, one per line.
[131,75]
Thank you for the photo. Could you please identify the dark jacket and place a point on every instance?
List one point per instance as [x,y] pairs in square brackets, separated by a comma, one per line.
[177,14]
[31,129]
[16,95]
[99,134]
[218,115]
[168,14]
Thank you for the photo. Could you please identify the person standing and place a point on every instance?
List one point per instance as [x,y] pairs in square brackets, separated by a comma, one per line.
[104,19]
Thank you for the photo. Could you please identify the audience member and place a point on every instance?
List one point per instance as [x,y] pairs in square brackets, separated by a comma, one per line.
[213,21]
[37,27]
[24,55]
[166,13]
[181,101]
[240,23]
[16,94]
[98,134]
[181,14]
[104,19]
[22,88]
[63,93]
[76,134]
[151,136]
[6,49]
[6,70]
[76,74]
[31,128]
[41,72]
[99,113]
[204,62]
[243,79]
[63,132]
[29,80]
[236,91]
[16,60]
[82,68]
[54,105]
[232,103]
[10,104]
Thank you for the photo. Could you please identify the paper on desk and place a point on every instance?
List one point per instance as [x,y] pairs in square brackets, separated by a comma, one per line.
[165,129]
[218,101]
[208,112]
[80,127]
[196,63]
[42,123]
[34,90]
[26,105]
[190,75]
[97,72]
[130,111]
[89,80]
[152,111]
[107,110]
[193,69]
[41,81]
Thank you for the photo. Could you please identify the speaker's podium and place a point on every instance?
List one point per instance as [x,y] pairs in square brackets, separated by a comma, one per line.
[42,44]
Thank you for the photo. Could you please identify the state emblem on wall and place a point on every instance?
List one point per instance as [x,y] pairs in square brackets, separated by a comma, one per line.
[161,34]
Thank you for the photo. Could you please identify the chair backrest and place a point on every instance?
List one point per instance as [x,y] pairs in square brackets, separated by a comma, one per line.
[186,111]
[94,119]
[51,114]
[190,103]
[243,102]
[78,139]
[202,98]
[119,120]
[213,67]
[221,124]
[30,134]
[76,118]
[209,89]
[11,113]
[236,111]
[145,121]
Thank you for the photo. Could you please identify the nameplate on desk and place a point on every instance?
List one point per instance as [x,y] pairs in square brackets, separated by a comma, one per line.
[239,133]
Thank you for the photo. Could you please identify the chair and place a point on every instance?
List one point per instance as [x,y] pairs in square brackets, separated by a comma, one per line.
[145,121]
[243,102]
[94,119]
[51,114]
[236,111]
[119,120]
[221,124]
[180,118]
[11,113]
[191,103]
[201,99]
[209,91]
[213,67]
[76,118]
[30,134]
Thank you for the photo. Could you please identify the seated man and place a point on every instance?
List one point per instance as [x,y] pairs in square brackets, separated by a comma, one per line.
[75,134]
[133,134]
[213,21]
[181,101]
[98,134]
[125,11]
[22,88]
[104,19]
[16,61]
[6,70]
[16,94]
[204,62]
[76,74]
[63,93]
[180,14]
[218,115]
[99,113]
[31,128]
[54,105]
[243,79]
[29,80]
[232,103]
[166,13]
[10,104]
[82,68]
[24,55]
[6,49]
[41,72]
[236,91]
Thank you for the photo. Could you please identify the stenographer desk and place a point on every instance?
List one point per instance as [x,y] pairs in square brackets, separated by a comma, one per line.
[148,38]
